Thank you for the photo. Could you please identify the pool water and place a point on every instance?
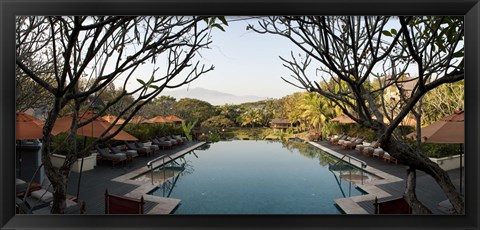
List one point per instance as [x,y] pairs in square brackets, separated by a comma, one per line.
[257,177]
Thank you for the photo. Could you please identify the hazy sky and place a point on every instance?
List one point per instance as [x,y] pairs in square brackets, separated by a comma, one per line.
[246,63]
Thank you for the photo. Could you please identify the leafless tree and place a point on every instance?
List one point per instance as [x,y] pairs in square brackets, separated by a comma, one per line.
[143,55]
[342,58]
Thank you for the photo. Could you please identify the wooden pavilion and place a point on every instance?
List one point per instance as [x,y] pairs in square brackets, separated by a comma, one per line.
[280,124]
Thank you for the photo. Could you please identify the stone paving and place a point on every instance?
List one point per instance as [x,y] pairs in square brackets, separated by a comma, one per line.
[119,180]
[392,184]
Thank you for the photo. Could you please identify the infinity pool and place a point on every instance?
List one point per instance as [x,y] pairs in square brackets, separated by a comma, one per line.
[258,177]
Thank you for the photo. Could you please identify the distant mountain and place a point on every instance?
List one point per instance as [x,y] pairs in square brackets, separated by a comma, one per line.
[212,96]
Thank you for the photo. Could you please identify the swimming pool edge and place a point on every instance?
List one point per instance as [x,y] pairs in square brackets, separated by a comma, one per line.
[350,205]
[163,205]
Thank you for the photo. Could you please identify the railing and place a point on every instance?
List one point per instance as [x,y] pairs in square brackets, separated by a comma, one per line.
[363,164]
[150,163]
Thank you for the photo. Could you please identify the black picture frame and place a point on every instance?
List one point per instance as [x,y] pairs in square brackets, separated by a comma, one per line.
[10,8]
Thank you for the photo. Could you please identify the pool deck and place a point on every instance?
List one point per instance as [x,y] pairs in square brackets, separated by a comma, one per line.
[392,184]
[118,180]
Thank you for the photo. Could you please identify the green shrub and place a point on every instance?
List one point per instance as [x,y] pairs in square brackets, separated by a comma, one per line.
[441,150]
[62,147]
[214,137]
[291,130]
[145,132]
[187,128]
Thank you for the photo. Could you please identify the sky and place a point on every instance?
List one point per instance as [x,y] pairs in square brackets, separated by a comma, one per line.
[246,63]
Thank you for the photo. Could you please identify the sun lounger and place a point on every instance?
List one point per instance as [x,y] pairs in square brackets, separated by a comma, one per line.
[29,207]
[363,145]
[446,207]
[378,152]
[20,186]
[177,138]
[162,142]
[184,139]
[130,153]
[368,151]
[104,154]
[173,140]
[71,207]
[353,144]
[336,139]
[154,148]
[342,141]
[388,158]
[44,194]
[142,151]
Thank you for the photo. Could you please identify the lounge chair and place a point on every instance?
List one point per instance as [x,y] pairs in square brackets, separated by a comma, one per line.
[353,144]
[130,153]
[20,186]
[177,138]
[154,148]
[329,138]
[162,142]
[173,140]
[388,158]
[184,139]
[368,151]
[446,207]
[142,151]
[123,205]
[114,158]
[336,139]
[44,194]
[348,139]
[364,144]
[71,207]
[378,152]
[37,199]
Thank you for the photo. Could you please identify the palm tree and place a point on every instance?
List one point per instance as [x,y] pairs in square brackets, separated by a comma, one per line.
[251,117]
[314,109]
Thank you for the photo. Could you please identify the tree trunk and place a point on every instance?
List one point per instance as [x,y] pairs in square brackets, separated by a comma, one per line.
[423,163]
[410,193]
[57,179]
[59,194]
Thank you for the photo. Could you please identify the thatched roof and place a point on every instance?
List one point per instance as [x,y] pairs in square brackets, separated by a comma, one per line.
[280,121]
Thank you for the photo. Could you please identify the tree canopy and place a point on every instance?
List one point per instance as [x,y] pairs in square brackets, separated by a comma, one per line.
[341,55]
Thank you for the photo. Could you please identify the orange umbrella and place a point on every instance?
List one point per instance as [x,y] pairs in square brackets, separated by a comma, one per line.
[160,119]
[449,130]
[174,118]
[28,127]
[139,120]
[110,118]
[343,119]
[93,129]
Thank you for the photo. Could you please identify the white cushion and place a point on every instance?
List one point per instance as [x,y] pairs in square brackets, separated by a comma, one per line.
[68,203]
[378,150]
[42,195]
[446,207]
